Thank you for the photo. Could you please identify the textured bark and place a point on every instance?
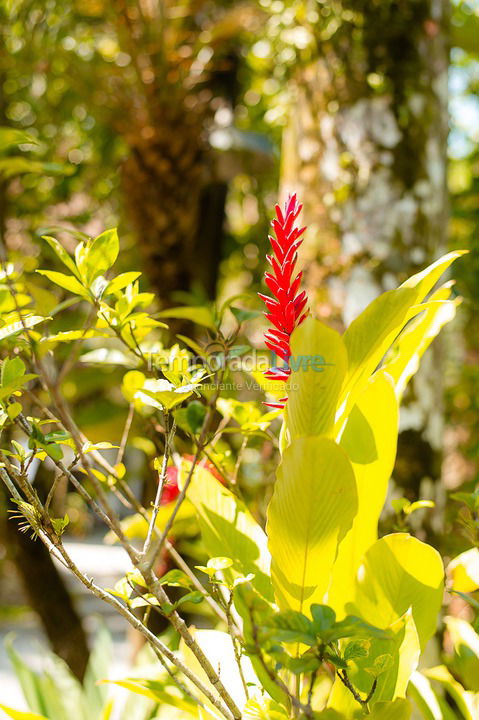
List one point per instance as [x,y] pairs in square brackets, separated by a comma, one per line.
[366,151]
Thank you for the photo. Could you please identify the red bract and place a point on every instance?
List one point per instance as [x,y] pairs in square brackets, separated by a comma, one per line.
[171,489]
[286,309]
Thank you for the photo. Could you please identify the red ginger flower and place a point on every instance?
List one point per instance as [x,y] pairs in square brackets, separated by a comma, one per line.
[285,310]
[171,489]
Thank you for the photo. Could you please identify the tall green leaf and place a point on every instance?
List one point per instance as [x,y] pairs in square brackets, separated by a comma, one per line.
[404,357]
[319,362]
[312,508]
[228,528]
[372,333]
[369,439]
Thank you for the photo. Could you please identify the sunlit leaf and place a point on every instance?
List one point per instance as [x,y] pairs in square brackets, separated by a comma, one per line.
[312,509]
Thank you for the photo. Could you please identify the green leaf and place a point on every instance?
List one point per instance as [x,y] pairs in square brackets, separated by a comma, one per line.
[244,315]
[29,681]
[12,369]
[199,315]
[466,702]
[464,662]
[373,332]
[324,618]
[357,649]
[195,415]
[401,645]
[227,527]
[397,710]
[312,508]
[121,282]
[100,255]
[319,363]
[369,439]
[10,137]
[400,572]
[404,357]
[290,627]
[421,691]
[67,282]
[62,254]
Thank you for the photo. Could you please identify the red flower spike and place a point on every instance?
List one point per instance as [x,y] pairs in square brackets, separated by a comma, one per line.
[286,309]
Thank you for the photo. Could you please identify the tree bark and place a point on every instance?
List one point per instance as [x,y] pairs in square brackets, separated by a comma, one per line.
[366,151]
[47,595]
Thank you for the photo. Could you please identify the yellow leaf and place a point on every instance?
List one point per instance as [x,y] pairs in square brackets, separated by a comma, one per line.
[228,528]
[318,366]
[312,509]
[372,333]
[404,357]
[370,440]
[400,572]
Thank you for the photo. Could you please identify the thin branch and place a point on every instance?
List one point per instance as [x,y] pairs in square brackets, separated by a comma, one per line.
[169,434]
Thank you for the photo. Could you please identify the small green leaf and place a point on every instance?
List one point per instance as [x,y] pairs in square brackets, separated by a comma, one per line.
[67,282]
[59,524]
[323,616]
[418,505]
[100,255]
[14,410]
[357,649]
[62,254]
[121,282]
[219,563]
[244,315]
[12,369]
[195,415]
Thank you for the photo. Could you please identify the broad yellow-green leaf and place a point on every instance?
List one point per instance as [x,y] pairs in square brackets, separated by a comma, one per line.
[199,315]
[318,366]
[400,572]
[466,701]
[404,357]
[372,333]
[464,662]
[312,509]
[464,571]
[228,528]
[369,439]
[401,650]
[420,690]
[68,282]
[20,714]
[397,710]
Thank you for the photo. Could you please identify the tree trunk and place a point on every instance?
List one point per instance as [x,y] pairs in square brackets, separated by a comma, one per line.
[47,595]
[366,151]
